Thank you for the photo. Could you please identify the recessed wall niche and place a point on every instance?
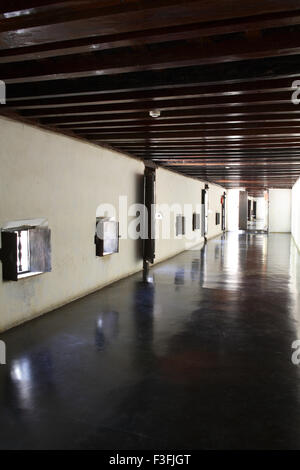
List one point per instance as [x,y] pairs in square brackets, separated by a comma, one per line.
[180,225]
[196,221]
[25,250]
[107,236]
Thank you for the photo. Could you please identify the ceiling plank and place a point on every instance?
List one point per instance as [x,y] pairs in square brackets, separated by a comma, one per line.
[151,36]
[231,101]
[83,19]
[176,54]
[286,67]
[183,92]
[221,73]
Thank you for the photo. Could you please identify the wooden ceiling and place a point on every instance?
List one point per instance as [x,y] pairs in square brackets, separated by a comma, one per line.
[219,71]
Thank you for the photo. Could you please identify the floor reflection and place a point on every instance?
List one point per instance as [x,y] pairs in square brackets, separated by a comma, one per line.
[199,356]
[257,225]
[107,329]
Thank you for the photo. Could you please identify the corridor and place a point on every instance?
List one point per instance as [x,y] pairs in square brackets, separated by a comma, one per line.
[257,225]
[199,357]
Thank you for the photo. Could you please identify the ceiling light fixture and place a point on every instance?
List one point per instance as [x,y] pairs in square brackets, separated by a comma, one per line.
[155,113]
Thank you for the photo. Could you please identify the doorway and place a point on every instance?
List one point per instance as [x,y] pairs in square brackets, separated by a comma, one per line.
[259,213]
[223,205]
[204,212]
[149,224]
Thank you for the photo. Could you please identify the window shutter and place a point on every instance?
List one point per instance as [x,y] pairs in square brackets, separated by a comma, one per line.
[99,246]
[111,237]
[9,256]
[180,225]
[40,250]
[108,242]
[196,221]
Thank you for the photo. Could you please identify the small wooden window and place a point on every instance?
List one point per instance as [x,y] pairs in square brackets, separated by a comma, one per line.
[180,225]
[107,236]
[196,221]
[26,251]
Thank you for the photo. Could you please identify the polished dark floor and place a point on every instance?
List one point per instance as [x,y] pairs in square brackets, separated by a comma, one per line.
[257,225]
[197,358]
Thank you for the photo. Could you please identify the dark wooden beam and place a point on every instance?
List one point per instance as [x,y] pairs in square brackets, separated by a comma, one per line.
[87,18]
[226,112]
[229,155]
[253,100]
[245,163]
[183,92]
[199,135]
[19,6]
[221,73]
[126,60]
[281,127]
[83,128]
[287,67]
[151,36]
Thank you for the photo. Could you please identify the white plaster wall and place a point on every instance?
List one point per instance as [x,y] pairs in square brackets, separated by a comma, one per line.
[260,208]
[295,222]
[233,203]
[64,180]
[214,205]
[48,175]
[280,210]
[173,188]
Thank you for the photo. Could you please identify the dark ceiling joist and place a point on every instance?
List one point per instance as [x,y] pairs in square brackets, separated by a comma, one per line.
[221,73]
[197,156]
[251,100]
[151,36]
[126,60]
[52,21]
[88,18]
[195,129]
[184,123]
[192,136]
[232,128]
[253,163]
[234,112]
[19,6]
[287,67]
[221,140]
[183,92]
[81,129]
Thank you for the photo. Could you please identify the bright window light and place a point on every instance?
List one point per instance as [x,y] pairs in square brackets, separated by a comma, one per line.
[23,253]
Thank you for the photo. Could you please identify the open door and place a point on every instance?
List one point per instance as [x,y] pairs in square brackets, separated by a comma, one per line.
[223,205]
[249,210]
[204,212]
[243,210]
[254,209]
[149,202]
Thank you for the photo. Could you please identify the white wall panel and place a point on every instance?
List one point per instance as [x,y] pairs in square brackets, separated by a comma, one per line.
[280,210]
[45,175]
